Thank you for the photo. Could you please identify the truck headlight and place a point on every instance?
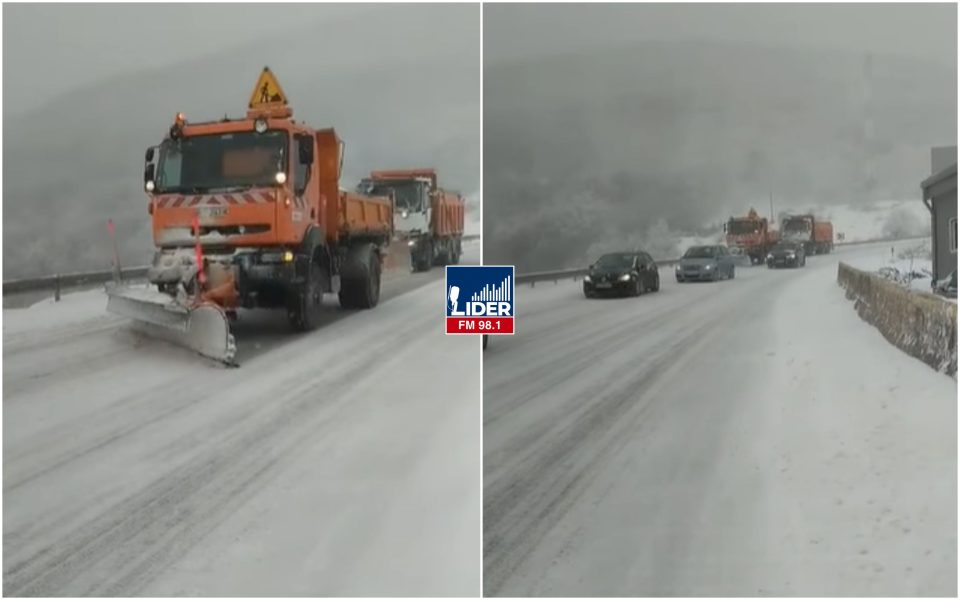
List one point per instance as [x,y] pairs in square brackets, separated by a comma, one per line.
[281,177]
[404,214]
[412,243]
[587,279]
[625,277]
[149,186]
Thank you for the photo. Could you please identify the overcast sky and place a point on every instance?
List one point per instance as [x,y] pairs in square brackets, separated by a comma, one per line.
[118,38]
[926,31]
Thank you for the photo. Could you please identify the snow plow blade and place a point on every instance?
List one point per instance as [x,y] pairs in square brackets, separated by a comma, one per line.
[203,329]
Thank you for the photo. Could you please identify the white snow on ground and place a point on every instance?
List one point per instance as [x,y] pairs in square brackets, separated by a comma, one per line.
[750,437]
[75,308]
[343,462]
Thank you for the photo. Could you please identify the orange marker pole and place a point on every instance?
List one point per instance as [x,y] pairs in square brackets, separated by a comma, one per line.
[201,272]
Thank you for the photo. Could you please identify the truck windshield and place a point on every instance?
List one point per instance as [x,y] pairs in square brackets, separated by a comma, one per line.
[742,227]
[797,225]
[406,193]
[207,163]
[701,252]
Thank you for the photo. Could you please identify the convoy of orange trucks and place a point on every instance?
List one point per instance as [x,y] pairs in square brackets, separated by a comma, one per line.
[427,217]
[249,213]
[752,234]
[816,235]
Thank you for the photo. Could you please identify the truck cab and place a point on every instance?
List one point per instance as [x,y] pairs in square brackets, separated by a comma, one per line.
[411,199]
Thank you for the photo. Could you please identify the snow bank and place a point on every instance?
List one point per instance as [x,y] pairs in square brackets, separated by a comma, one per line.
[74,308]
[922,325]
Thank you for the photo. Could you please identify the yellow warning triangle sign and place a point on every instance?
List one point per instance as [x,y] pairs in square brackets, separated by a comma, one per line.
[267,93]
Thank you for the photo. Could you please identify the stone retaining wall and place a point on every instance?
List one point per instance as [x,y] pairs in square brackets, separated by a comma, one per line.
[922,325]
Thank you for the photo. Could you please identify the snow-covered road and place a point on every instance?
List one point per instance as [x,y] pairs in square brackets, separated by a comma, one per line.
[343,462]
[747,437]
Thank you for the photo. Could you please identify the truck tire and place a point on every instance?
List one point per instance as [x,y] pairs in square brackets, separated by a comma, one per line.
[443,257]
[422,260]
[360,281]
[305,300]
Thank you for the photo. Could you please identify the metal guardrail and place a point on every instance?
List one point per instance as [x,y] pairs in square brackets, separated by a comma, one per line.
[57,282]
[574,274]
[70,280]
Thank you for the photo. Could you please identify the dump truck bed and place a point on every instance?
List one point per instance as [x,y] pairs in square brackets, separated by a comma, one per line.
[822,231]
[365,216]
[447,215]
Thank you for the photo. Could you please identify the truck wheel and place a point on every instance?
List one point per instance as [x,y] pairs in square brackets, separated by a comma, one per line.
[305,301]
[424,258]
[360,283]
[443,257]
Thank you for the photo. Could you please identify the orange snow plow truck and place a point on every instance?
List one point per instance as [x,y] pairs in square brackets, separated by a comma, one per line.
[752,234]
[815,234]
[248,213]
[427,217]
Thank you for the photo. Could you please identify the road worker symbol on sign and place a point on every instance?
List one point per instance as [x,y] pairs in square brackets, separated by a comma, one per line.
[267,93]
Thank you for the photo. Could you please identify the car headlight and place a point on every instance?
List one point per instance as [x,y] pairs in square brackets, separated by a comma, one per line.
[770,257]
[707,267]
[791,254]
[676,268]
[412,243]
[587,278]
[625,277]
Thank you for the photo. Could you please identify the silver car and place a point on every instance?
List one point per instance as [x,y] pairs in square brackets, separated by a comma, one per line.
[706,263]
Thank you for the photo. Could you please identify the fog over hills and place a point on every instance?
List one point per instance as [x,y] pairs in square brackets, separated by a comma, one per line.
[400,85]
[614,139]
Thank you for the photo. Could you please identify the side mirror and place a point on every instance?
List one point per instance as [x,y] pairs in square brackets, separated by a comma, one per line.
[149,155]
[305,150]
[148,173]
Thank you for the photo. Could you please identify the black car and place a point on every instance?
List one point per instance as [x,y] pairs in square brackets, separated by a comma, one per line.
[625,273]
[787,254]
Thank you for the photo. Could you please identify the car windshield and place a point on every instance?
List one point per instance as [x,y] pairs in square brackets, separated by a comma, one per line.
[206,163]
[701,252]
[743,226]
[615,261]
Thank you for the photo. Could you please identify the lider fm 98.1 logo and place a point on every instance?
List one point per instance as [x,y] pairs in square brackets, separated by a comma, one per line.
[479,300]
